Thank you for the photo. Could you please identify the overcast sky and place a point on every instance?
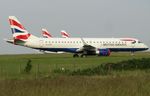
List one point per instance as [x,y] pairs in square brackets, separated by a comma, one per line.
[81,18]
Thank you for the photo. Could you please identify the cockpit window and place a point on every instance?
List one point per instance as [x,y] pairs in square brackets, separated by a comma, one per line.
[133,42]
[139,42]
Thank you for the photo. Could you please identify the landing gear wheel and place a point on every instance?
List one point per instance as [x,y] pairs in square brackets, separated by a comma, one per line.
[132,53]
[75,55]
[83,55]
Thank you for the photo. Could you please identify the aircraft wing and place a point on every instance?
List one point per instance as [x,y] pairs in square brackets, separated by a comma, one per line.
[86,48]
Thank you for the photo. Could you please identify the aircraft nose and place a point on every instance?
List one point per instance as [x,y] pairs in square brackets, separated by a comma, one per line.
[146,47]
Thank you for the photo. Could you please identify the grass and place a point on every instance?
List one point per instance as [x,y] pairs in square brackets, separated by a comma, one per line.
[14,65]
[78,86]
[42,81]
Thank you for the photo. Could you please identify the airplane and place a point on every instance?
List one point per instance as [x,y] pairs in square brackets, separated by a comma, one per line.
[64,34]
[46,34]
[78,46]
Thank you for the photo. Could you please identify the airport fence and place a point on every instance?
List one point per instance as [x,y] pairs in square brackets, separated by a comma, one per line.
[28,69]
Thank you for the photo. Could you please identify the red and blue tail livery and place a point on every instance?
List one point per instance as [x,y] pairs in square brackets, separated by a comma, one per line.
[18,30]
[46,34]
[64,34]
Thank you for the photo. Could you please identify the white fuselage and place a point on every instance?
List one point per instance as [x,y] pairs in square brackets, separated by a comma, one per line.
[74,44]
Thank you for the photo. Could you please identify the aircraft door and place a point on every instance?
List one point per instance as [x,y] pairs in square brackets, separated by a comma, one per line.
[41,43]
[133,44]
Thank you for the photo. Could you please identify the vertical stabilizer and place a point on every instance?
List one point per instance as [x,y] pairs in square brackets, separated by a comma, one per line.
[18,30]
[46,34]
[64,34]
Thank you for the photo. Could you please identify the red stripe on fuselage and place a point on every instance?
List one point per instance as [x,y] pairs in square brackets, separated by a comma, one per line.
[127,40]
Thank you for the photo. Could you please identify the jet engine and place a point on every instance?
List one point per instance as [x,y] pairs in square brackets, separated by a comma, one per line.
[103,52]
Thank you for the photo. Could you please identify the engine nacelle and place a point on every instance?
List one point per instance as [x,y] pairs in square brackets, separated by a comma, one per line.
[103,52]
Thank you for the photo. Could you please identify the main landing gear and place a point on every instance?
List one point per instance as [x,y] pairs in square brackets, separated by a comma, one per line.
[77,55]
[132,53]
[83,55]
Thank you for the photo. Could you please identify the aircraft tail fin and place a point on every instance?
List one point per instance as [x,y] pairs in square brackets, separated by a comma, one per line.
[64,34]
[46,34]
[18,30]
